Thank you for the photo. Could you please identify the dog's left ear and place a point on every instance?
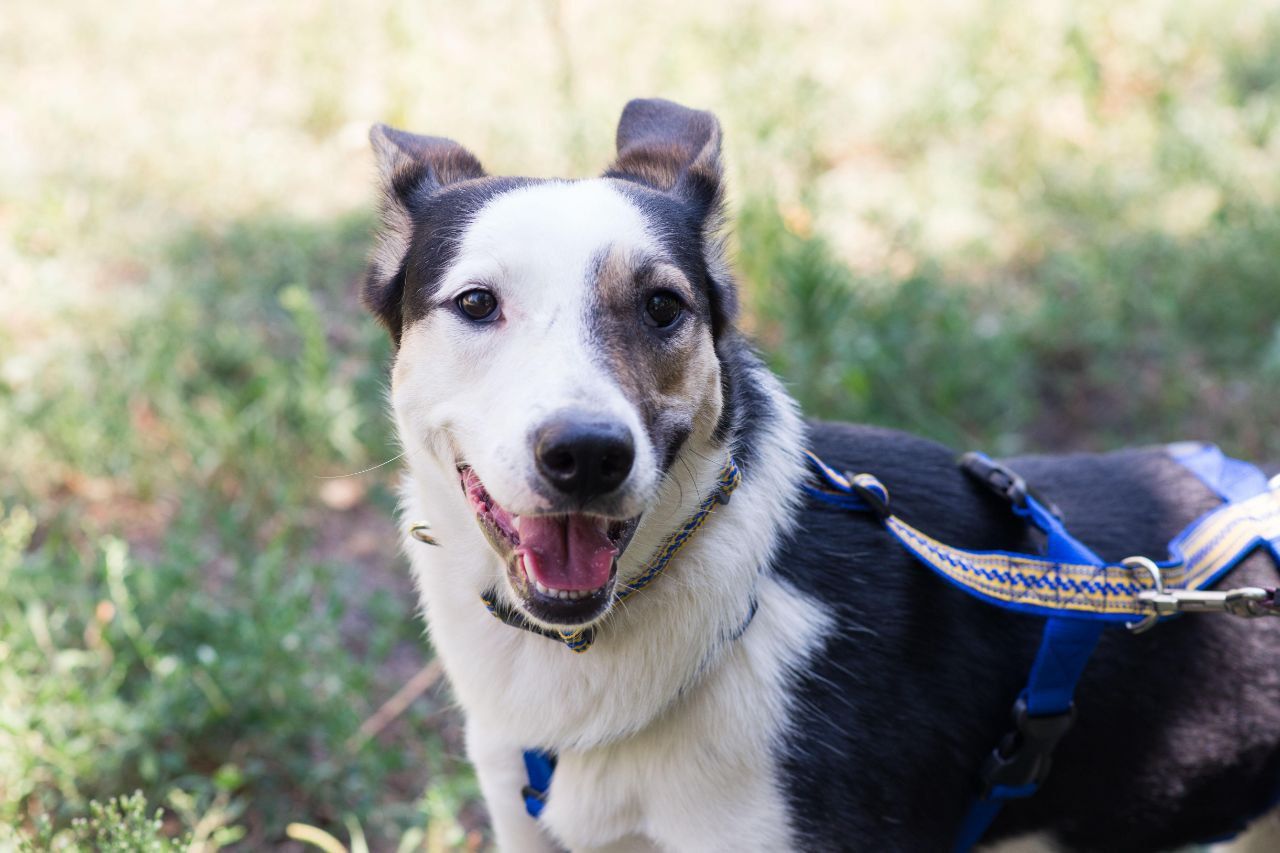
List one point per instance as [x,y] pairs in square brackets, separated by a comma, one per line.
[670,148]
[411,168]
[676,150]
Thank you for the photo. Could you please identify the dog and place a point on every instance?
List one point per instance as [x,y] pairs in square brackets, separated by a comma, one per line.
[569,387]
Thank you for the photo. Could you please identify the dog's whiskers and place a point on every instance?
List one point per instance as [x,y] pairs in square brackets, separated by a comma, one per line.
[365,471]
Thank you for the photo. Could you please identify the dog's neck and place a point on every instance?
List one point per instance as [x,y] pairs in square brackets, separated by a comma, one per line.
[655,646]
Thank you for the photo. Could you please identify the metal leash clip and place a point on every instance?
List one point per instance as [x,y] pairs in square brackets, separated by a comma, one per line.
[1246,601]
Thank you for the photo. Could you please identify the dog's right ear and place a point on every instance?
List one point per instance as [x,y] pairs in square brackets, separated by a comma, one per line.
[671,148]
[410,169]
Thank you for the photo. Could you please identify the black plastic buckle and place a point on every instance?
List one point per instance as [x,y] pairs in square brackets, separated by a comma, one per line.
[1003,480]
[1025,755]
[1000,479]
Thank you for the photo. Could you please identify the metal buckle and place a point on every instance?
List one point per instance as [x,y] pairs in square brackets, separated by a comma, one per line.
[1147,565]
[1024,755]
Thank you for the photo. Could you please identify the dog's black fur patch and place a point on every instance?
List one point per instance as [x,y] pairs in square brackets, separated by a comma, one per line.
[431,190]
[439,218]
[1178,738]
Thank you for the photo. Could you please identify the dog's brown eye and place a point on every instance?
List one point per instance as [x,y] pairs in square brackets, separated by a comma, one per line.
[663,309]
[478,304]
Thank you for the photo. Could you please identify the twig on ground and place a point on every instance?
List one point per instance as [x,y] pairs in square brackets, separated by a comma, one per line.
[421,682]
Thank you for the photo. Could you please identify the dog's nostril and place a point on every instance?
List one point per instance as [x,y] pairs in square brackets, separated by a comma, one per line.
[584,457]
[559,462]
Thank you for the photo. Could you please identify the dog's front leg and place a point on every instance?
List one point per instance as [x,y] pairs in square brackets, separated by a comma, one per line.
[500,767]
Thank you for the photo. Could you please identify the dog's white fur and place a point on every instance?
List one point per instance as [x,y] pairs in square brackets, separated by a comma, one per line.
[665,729]
[453,384]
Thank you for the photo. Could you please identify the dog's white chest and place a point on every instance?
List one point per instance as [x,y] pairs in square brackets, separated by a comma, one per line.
[702,776]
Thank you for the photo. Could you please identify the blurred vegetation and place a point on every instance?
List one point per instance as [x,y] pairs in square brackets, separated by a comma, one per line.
[1015,226]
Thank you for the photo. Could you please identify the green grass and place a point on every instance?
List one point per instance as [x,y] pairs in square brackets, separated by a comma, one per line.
[173,618]
[1014,227]
[1134,340]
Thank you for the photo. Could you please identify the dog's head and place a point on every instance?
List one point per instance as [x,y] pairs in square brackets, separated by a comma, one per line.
[556,340]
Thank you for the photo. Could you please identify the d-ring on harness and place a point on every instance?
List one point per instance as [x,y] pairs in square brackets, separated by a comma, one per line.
[1079,593]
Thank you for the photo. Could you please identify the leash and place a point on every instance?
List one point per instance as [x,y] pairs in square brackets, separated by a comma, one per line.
[1078,593]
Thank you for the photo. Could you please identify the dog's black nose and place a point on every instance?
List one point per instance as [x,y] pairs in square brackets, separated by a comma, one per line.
[584,457]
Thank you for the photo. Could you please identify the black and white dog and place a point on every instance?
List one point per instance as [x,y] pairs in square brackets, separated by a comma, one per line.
[568,383]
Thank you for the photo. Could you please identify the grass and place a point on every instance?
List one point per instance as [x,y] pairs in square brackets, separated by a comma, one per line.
[183,614]
[1041,226]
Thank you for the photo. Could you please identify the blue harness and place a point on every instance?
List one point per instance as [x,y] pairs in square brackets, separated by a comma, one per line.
[1078,593]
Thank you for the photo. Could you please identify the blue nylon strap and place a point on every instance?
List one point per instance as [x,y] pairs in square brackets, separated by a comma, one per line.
[1066,644]
[976,822]
[538,767]
[1231,479]
[1065,648]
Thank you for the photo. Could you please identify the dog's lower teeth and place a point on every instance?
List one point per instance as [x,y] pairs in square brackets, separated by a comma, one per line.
[564,594]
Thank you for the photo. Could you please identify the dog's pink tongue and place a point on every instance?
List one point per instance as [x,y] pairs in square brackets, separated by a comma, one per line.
[566,552]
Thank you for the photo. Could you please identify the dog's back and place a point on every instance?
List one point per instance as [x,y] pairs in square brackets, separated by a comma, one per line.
[1178,737]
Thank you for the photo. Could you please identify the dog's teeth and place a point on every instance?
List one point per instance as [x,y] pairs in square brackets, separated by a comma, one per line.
[563,594]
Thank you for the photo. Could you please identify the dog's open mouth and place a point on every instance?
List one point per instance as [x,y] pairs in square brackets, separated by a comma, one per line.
[561,567]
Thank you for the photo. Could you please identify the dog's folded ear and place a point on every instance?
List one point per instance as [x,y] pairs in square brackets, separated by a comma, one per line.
[410,169]
[670,148]
[409,164]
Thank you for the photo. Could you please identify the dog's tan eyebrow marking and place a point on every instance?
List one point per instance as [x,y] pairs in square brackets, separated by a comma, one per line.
[664,274]
[619,274]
